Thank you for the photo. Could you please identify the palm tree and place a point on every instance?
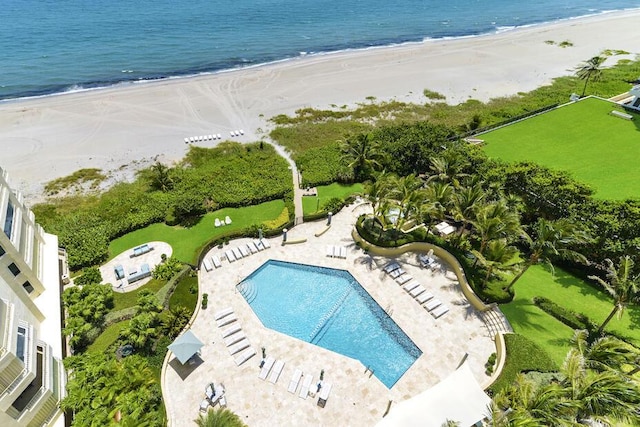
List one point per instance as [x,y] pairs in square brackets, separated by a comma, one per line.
[219,418]
[465,202]
[590,70]
[377,191]
[175,321]
[363,154]
[160,177]
[621,285]
[605,353]
[552,239]
[438,196]
[448,170]
[495,221]
[406,194]
[499,256]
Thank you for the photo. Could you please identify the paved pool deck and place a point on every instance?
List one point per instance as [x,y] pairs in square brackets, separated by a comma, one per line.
[357,398]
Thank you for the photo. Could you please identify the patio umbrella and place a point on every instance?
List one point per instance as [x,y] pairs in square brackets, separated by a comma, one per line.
[185,346]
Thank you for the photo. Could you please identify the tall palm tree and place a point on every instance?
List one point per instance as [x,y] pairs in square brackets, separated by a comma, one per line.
[621,285]
[219,418]
[447,170]
[377,192]
[590,70]
[499,256]
[605,353]
[160,177]
[495,221]
[363,154]
[465,202]
[406,194]
[439,197]
[552,239]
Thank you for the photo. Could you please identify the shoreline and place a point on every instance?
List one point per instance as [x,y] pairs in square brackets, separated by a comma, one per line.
[50,136]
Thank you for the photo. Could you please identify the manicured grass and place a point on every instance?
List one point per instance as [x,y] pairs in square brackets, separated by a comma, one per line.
[327,192]
[186,241]
[107,337]
[569,292]
[128,299]
[182,295]
[523,355]
[581,138]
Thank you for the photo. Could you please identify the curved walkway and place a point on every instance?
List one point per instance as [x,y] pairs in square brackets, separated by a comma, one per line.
[356,395]
[132,264]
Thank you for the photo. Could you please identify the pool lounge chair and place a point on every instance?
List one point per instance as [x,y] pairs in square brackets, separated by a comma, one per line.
[343,252]
[217,222]
[207,265]
[410,286]
[216,261]
[403,279]
[252,248]
[424,297]
[234,338]
[276,371]
[432,304]
[226,320]
[268,364]
[230,256]
[237,253]
[396,273]
[330,251]
[231,330]
[204,405]
[244,356]
[244,251]
[258,244]
[295,380]
[324,394]
[440,311]
[266,243]
[222,313]
[306,383]
[239,346]
[390,267]
[417,291]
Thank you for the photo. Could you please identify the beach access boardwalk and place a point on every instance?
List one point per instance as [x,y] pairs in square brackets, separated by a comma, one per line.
[356,395]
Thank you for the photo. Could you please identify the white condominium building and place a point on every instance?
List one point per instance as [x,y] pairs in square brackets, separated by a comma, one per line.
[32,377]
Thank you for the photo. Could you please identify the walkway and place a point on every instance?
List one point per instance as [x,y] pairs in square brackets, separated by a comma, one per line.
[356,395]
[297,191]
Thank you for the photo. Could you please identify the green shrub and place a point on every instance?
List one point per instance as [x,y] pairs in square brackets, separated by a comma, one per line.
[168,269]
[205,300]
[568,317]
[89,276]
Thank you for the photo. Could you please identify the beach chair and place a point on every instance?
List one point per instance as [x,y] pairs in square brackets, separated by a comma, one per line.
[403,279]
[219,136]
[295,380]
[258,244]
[390,267]
[396,273]
[216,261]
[266,243]
[410,286]
[336,251]
[227,220]
[204,405]
[222,313]
[434,303]
[306,383]
[266,367]
[276,371]
[244,356]
[324,394]
[234,338]
[424,297]
[239,346]
[207,265]
[252,248]
[230,256]
[330,251]
[232,133]
[440,311]
[417,291]
[343,252]
[226,320]
[244,251]
[223,401]
[237,253]
[231,330]
[217,222]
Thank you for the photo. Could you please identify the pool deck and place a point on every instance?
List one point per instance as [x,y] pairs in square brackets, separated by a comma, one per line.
[357,398]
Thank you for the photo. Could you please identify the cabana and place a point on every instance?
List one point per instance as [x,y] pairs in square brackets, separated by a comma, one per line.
[185,346]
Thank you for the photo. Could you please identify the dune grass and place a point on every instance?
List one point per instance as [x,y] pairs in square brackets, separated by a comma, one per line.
[581,138]
[327,192]
[186,241]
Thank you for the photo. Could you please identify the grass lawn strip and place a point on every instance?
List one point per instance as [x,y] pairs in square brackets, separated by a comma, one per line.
[185,241]
[107,337]
[581,138]
[311,204]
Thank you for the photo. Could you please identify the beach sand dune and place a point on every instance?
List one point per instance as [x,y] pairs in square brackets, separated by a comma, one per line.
[49,137]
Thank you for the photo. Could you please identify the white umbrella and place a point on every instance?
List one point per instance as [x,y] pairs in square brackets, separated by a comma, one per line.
[185,346]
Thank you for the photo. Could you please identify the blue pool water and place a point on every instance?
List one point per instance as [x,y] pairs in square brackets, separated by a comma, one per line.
[329,308]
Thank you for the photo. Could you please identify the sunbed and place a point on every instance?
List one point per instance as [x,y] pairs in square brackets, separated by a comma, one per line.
[324,394]
[306,383]
[424,297]
[227,220]
[204,405]
[343,252]
[244,356]
[330,250]
[252,248]
[216,261]
[396,273]
[239,346]
[207,265]
[276,371]
[266,243]
[258,244]
[217,222]
[432,304]
[295,380]
[222,313]
[417,291]
[390,267]
[226,320]
[231,330]
[410,286]
[230,256]
[234,338]
[404,279]
[268,364]
[437,312]
[244,251]
[237,253]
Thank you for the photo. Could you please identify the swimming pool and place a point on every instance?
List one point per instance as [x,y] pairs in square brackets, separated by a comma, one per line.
[329,308]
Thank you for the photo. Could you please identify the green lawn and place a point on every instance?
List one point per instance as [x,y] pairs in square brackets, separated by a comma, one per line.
[107,337]
[569,292]
[186,241]
[327,192]
[182,295]
[581,138]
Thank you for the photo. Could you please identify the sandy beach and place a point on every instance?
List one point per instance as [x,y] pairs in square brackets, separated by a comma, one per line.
[49,137]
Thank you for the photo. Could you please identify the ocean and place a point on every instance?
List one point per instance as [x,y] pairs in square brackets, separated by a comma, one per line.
[53,46]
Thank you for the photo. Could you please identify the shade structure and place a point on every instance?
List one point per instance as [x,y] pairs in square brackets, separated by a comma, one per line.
[185,346]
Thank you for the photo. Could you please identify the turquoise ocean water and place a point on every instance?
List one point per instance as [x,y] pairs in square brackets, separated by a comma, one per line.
[51,46]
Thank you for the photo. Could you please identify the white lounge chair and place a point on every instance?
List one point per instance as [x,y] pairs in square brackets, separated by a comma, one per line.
[417,291]
[244,356]
[306,383]
[226,320]
[432,304]
[324,394]
[232,133]
[266,243]
[424,297]
[440,311]
[276,371]
[239,346]
[219,136]
[336,251]
[295,380]
[244,251]
[241,132]
[204,405]
[207,265]
[343,252]
[237,253]
[252,248]
[258,244]
[237,132]
[390,267]
[396,273]
[230,256]
[330,250]
[234,338]
[268,364]
[231,330]
[216,261]
[223,313]
[410,286]
[227,220]
[217,222]
[404,279]
[186,140]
